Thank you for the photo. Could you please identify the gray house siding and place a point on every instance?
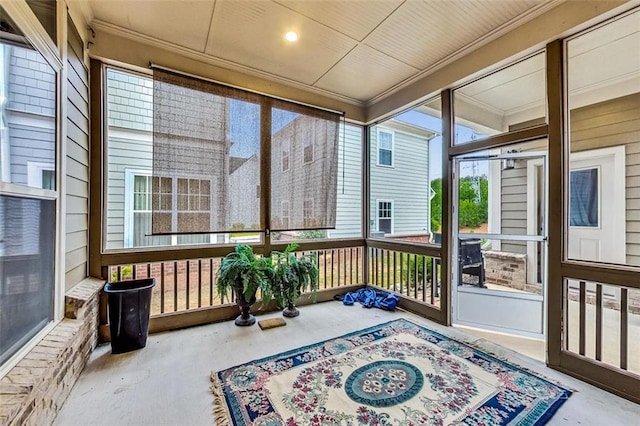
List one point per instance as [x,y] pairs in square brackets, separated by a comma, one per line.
[30,144]
[612,123]
[513,199]
[30,111]
[349,201]
[77,172]
[406,183]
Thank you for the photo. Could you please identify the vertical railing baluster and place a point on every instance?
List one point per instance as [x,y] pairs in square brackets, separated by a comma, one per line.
[162,287]
[350,265]
[211,281]
[401,272]
[119,273]
[324,261]
[199,283]
[332,265]
[395,269]
[148,270]
[416,277]
[598,322]
[424,278]
[388,263]
[134,272]
[583,318]
[188,281]
[624,328]
[175,286]
[338,273]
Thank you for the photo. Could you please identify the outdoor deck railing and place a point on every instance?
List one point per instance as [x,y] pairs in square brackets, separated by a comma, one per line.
[413,275]
[187,284]
[600,320]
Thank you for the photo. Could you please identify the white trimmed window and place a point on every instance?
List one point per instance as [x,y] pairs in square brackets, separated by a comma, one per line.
[309,146]
[285,155]
[385,216]
[285,213]
[385,148]
[307,211]
[193,198]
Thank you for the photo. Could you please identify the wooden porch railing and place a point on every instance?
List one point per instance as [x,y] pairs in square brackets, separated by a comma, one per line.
[600,320]
[183,285]
[413,275]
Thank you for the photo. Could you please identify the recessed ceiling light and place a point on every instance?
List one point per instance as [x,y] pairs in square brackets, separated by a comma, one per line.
[291,36]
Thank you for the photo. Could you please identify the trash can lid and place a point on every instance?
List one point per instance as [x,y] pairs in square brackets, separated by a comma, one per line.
[131,285]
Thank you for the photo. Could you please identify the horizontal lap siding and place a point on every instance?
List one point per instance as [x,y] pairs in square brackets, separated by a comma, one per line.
[514,207]
[77,164]
[406,183]
[349,201]
[613,123]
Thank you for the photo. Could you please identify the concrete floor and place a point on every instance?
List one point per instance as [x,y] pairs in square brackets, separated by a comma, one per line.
[167,383]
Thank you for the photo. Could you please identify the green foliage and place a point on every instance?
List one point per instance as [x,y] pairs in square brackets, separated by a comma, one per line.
[409,269]
[237,226]
[312,234]
[293,275]
[474,207]
[125,272]
[245,272]
[436,204]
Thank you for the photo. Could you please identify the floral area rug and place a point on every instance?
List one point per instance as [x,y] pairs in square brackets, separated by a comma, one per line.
[397,373]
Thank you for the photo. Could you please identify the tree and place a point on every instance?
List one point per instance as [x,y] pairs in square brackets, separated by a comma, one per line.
[473,203]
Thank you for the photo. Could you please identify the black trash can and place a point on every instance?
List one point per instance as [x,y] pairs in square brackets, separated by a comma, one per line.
[129,309]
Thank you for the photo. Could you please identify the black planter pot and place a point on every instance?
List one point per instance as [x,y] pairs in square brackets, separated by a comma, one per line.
[245,318]
[290,311]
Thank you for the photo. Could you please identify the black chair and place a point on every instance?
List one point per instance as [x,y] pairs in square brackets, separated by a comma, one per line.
[471,261]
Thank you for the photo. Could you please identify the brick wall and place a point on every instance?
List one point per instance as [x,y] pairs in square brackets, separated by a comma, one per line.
[34,390]
[508,270]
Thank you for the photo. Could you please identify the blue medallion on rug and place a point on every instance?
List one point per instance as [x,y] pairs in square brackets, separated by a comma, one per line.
[397,373]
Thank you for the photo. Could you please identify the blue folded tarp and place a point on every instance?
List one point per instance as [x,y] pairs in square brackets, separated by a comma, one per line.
[370,298]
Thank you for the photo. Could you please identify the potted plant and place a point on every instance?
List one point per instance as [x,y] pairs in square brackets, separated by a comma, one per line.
[292,276]
[243,272]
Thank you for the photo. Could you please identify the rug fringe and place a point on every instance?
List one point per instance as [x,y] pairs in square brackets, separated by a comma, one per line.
[221,413]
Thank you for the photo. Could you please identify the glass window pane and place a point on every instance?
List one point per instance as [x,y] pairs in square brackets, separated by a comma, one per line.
[510,99]
[349,192]
[26,270]
[129,163]
[404,203]
[603,84]
[583,198]
[27,118]
[45,11]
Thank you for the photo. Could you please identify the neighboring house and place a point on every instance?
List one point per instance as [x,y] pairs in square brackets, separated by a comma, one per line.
[27,139]
[303,191]
[400,187]
[400,191]
[130,164]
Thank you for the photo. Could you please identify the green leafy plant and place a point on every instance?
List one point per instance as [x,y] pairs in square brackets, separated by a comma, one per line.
[293,275]
[245,272]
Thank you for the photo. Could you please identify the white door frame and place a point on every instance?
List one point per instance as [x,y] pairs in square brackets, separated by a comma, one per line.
[497,300]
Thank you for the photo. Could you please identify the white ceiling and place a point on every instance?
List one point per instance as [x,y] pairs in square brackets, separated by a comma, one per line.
[355,49]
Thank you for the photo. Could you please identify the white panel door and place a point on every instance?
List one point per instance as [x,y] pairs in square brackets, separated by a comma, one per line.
[597,206]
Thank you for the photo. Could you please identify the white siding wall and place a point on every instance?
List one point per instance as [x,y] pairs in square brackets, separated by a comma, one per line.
[349,203]
[133,152]
[406,183]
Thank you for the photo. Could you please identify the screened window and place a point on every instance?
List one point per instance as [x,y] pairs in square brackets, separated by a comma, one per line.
[385,216]
[385,148]
[583,198]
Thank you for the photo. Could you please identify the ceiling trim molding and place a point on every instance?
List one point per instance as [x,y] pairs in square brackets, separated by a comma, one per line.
[215,61]
[487,38]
